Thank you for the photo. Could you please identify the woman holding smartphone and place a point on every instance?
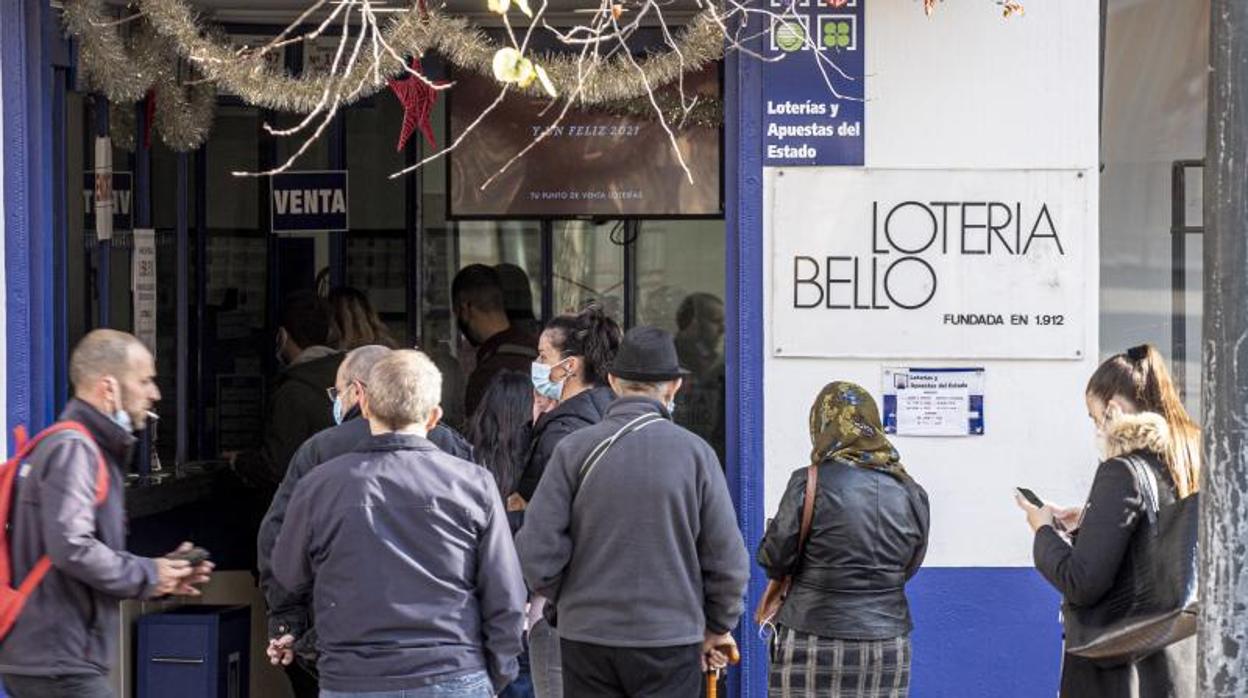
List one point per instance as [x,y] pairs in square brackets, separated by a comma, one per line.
[1137,412]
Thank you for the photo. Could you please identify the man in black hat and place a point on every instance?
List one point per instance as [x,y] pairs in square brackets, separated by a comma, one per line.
[632,534]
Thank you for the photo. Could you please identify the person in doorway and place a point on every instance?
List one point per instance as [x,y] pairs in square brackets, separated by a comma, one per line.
[481,311]
[574,354]
[846,619]
[632,534]
[699,343]
[355,323]
[1138,415]
[297,407]
[290,614]
[64,643]
[700,335]
[393,540]
[518,298]
[500,433]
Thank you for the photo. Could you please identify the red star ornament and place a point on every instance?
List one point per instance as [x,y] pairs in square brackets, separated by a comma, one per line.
[417,99]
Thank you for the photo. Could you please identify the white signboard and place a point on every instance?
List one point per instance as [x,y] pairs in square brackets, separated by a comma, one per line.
[934,401]
[143,286]
[929,263]
[103,188]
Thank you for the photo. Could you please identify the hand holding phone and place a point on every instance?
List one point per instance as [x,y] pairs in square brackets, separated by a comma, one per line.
[1030,496]
[194,556]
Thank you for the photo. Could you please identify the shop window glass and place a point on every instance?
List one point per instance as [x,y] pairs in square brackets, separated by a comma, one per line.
[680,287]
[589,266]
[1153,116]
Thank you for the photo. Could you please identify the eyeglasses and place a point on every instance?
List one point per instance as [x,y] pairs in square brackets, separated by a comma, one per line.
[333,393]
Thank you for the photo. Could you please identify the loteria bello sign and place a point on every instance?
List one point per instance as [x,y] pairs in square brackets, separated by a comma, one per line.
[929,264]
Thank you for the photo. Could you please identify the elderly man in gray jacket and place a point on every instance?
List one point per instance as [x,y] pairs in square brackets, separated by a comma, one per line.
[415,583]
[632,535]
[65,640]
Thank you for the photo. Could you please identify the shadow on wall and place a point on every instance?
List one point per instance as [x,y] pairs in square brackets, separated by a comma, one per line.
[984,633]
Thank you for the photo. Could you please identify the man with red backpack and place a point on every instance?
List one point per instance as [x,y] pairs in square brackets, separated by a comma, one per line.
[67,505]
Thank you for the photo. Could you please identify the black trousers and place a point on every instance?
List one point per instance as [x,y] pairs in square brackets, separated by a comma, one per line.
[595,671]
[303,683]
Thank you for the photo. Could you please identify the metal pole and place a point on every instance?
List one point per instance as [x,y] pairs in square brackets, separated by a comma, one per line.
[338,240]
[1223,652]
[183,304]
[104,259]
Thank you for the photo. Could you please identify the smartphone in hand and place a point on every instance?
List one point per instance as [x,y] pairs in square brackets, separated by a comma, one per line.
[1030,496]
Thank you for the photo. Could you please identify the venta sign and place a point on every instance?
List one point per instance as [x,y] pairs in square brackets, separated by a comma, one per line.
[929,264]
[309,202]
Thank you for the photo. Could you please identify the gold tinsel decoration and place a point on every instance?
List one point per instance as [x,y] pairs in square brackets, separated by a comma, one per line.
[456,38]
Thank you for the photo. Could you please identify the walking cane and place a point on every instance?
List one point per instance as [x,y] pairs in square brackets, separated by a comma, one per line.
[712,676]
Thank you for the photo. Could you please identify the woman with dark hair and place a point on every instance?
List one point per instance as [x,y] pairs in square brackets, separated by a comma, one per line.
[574,354]
[502,429]
[845,622]
[500,432]
[355,323]
[1139,419]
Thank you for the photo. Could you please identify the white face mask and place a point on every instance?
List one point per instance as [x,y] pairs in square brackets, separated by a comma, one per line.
[542,382]
[120,416]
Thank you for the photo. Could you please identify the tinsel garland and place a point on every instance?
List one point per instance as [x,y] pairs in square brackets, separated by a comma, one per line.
[707,113]
[114,63]
[125,70]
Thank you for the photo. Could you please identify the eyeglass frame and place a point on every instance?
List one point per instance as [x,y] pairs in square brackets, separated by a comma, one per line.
[332,391]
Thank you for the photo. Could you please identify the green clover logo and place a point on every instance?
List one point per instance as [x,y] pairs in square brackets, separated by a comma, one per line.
[789,36]
[837,34]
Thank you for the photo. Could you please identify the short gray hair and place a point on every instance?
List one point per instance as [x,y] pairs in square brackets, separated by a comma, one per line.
[359,362]
[102,353]
[403,388]
[645,388]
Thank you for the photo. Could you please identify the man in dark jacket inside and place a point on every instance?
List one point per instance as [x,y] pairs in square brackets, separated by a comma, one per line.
[298,405]
[64,642]
[481,311]
[290,613]
[637,495]
[414,577]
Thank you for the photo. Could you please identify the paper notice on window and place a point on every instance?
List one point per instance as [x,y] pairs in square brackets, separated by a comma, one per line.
[143,287]
[934,402]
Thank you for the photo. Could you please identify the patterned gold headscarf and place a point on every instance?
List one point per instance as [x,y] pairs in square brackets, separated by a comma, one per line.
[845,426]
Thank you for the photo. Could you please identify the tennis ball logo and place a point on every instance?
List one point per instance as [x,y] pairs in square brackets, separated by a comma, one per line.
[790,36]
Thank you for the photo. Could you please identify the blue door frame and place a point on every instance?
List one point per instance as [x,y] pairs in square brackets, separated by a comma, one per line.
[34,348]
[29,84]
[743,209]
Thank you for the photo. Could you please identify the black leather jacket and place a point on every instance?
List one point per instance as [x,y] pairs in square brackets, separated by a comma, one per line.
[868,537]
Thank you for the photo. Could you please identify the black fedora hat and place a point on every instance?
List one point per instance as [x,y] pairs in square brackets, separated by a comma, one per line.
[647,355]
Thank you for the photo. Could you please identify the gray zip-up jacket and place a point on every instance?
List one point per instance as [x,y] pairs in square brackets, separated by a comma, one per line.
[647,553]
[293,610]
[70,623]
[413,571]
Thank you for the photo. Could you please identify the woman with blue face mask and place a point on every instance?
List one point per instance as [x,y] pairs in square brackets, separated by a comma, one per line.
[574,353]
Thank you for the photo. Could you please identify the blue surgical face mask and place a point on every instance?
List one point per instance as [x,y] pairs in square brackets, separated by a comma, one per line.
[547,388]
[671,407]
[122,419]
[338,409]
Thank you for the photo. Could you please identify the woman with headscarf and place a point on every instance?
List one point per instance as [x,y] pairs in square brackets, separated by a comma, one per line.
[845,623]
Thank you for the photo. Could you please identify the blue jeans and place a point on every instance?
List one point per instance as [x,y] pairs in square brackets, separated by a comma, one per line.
[475,685]
[522,687]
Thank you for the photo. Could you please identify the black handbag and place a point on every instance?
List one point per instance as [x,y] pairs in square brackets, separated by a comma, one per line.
[1154,600]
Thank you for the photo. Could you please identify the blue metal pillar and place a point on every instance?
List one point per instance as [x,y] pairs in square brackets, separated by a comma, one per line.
[183,306]
[743,206]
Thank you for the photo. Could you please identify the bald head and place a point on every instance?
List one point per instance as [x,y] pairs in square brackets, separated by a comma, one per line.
[103,353]
[113,372]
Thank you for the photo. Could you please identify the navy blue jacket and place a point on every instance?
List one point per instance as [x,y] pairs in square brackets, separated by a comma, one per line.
[413,572]
[291,612]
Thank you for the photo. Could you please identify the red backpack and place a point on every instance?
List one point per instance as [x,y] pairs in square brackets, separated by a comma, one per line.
[13,599]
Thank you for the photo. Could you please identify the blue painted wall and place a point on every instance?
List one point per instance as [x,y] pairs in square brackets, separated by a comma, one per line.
[984,633]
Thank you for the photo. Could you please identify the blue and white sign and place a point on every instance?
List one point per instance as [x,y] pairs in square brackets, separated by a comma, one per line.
[310,202]
[934,401]
[813,93]
[122,195]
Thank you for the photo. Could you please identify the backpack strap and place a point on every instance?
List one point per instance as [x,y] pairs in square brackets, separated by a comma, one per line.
[596,454]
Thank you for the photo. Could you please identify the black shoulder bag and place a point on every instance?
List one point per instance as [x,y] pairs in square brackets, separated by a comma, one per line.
[549,612]
[1154,601]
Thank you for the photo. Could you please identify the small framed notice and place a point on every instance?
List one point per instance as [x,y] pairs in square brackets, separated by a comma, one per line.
[934,401]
